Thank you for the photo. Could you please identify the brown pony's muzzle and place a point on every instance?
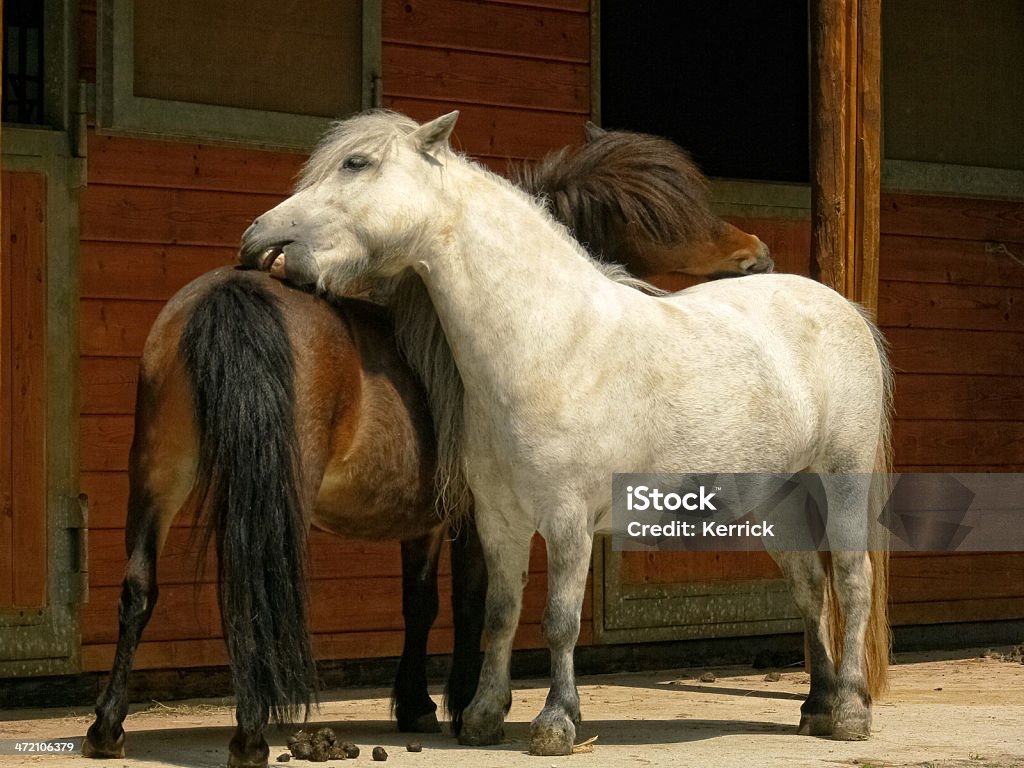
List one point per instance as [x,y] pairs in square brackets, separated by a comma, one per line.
[286,259]
[764,261]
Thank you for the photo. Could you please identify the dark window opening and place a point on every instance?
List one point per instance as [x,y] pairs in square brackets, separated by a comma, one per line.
[725,79]
[953,82]
[23,89]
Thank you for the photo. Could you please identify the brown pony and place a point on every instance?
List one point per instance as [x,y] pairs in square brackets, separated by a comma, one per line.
[266,410]
[639,200]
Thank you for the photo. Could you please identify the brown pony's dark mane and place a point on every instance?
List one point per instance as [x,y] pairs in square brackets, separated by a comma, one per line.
[623,179]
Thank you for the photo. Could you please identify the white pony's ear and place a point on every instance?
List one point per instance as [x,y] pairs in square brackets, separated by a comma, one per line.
[593,131]
[434,134]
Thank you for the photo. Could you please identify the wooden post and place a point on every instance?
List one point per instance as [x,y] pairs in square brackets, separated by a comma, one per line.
[846,145]
[846,128]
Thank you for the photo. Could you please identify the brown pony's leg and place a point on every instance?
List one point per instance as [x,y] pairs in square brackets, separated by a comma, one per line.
[469,595]
[414,709]
[105,738]
[159,483]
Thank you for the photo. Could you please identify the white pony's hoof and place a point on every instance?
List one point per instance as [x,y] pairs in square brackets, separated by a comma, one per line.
[857,730]
[552,735]
[815,725]
[481,731]
[851,721]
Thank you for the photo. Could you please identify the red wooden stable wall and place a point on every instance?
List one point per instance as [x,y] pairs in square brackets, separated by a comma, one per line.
[950,304]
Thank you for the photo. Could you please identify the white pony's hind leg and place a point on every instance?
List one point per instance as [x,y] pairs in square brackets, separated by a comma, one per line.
[847,526]
[507,554]
[806,576]
[852,714]
[569,543]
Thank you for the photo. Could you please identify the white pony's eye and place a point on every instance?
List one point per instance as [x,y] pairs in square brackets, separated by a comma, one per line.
[356,163]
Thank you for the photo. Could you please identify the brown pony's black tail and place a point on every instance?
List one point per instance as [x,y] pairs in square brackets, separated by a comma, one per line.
[239,360]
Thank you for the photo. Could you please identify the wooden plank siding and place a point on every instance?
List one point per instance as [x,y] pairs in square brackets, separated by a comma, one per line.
[518,72]
[156,214]
[950,304]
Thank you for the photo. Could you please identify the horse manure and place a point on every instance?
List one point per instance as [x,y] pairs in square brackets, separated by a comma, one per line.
[301,750]
[319,747]
[414,746]
[379,754]
[320,753]
[708,677]
[351,750]
[325,736]
[773,677]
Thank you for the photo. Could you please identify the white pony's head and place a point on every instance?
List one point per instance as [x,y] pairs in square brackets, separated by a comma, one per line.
[366,202]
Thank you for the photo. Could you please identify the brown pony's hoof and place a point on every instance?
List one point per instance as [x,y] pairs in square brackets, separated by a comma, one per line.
[92,747]
[248,752]
[244,762]
[425,723]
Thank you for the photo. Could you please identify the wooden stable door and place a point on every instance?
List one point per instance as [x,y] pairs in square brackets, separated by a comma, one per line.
[23,528]
[41,519]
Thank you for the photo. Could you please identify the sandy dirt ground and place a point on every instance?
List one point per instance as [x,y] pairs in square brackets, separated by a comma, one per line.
[942,712]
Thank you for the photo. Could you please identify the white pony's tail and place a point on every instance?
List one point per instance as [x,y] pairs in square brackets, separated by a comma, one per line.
[878,642]
[878,638]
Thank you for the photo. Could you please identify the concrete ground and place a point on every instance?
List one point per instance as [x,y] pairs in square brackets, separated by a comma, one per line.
[943,711]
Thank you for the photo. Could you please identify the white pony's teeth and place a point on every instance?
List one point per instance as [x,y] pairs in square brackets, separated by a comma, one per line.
[277,268]
[268,256]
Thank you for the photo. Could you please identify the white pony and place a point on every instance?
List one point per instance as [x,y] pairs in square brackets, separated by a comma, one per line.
[570,376]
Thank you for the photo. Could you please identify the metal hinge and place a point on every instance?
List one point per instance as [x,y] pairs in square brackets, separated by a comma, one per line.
[78,531]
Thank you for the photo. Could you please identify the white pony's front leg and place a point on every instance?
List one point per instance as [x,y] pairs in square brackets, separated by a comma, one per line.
[569,543]
[506,547]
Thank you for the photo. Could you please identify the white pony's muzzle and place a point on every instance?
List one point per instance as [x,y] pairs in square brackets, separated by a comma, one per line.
[289,259]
